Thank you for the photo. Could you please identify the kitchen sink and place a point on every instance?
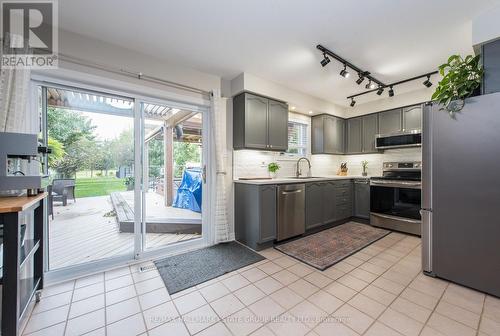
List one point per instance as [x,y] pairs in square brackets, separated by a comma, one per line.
[302,177]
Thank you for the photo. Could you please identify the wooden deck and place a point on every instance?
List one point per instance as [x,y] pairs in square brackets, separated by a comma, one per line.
[87,230]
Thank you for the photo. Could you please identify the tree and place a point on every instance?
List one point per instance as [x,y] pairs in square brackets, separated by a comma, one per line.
[122,149]
[185,152]
[57,153]
[68,126]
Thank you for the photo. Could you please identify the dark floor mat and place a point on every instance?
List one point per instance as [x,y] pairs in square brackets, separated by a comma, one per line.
[193,268]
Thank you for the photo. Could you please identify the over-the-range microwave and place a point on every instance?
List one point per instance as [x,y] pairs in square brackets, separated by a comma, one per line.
[399,140]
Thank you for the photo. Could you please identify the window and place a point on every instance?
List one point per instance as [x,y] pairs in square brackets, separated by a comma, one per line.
[297,138]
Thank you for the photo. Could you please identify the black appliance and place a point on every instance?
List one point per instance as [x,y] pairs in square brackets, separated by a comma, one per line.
[400,140]
[395,197]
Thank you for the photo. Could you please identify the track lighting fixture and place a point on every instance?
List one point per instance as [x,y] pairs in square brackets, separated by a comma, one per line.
[370,85]
[344,73]
[391,91]
[360,79]
[353,102]
[380,90]
[325,60]
[428,82]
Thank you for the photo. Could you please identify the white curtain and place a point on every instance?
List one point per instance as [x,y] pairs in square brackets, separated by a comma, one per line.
[14,97]
[221,230]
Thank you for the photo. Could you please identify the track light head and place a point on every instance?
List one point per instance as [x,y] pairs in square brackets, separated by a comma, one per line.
[353,102]
[325,60]
[360,79]
[344,73]
[370,85]
[380,90]
[427,82]
[391,92]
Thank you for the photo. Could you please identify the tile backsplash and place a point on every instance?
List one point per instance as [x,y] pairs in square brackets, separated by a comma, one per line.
[250,163]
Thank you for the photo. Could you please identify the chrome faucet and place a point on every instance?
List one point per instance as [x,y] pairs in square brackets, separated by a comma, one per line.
[298,172]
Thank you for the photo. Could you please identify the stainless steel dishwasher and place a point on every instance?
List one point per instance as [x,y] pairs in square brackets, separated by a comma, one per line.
[291,210]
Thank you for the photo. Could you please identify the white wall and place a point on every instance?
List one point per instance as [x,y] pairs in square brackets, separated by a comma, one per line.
[485,27]
[303,102]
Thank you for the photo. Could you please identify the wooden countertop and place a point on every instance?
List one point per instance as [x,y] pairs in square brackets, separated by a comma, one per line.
[19,203]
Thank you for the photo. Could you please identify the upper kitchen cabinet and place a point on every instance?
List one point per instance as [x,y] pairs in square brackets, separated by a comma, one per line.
[390,122]
[328,134]
[491,62]
[354,135]
[370,131]
[259,123]
[412,118]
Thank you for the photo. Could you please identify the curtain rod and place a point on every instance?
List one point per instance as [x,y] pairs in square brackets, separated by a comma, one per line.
[136,75]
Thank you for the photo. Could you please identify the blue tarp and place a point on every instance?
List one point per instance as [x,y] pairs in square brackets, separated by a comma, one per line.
[189,192]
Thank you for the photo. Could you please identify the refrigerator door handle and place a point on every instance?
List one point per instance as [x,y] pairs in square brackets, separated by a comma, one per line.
[427,241]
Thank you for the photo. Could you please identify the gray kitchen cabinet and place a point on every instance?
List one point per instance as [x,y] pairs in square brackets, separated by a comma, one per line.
[362,198]
[354,135]
[343,200]
[390,122]
[370,131]
[328,134]
[412,118]
[255,214]
[329,202]
[277,133]
[259,123]
[314,204]
[490,53]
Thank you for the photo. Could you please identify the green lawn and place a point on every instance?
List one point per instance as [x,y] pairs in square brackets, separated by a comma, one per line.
[98,186]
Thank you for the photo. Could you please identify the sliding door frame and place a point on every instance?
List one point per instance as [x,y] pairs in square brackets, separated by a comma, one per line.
[139,253]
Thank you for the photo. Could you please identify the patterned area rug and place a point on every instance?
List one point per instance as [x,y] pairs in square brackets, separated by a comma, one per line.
[326,248]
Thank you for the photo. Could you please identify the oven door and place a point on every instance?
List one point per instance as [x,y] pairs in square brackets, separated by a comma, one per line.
[396,199]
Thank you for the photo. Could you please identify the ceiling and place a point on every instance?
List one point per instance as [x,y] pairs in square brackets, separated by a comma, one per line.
[276,39]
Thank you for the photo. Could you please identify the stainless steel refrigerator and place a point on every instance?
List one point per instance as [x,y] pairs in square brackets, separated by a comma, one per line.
[461,194]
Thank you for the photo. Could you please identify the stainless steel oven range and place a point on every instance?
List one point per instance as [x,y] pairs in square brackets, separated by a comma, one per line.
[395,197]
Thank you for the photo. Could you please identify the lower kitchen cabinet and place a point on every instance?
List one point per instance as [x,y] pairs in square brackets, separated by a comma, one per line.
[362,198]
[255,214]
[314,204]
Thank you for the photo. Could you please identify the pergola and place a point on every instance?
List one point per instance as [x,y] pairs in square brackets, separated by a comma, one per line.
[169,118]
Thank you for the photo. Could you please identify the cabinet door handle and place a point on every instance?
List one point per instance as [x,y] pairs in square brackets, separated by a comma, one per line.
[291,192]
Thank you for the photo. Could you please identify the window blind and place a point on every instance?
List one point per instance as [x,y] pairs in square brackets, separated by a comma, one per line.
[297,138]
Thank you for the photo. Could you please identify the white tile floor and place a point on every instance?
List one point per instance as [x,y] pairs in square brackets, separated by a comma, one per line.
[379,291]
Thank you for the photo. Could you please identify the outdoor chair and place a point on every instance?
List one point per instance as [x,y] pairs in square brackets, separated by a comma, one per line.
[62,190]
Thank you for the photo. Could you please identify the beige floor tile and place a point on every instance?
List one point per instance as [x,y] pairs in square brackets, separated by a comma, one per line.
[235,282]
[334,328]
[285,261]
[458,314]
[116,273]
[182,292]
[411,309]
[200,319]
[353,318]
[401,323]
[266,309]
[303,288]
[120,294]
[249,294]
[389,285]
[58,289]
[86,306]
[254,274]
[243,323]
[352,282]
[448,326]
[420,298]
[226,305]
[133,325]
[88,291]
[268,285]
[492,308]
[377,270]
[46,319]
[363,275]
[218,329]
[354,261]
[325,301]
[286,298]
[318,279]
[378,294]
[344,266]
[288,325]
[175,327]
[271,253]
[189,302]
[120,282]
[464,297]
[285,277]
[55,330]
[154,298]
[333,273]
[214,291]
[300,270]
[428,285]
[489,326]
[85,323]
[379,329]
[89,280]
[402,279]
[270,268]
[309,314]
[264,331]
[122,309]
[146,275]
[160,314]
[428,331]
[367,305]
[149,285]
[51,302]
[340,291]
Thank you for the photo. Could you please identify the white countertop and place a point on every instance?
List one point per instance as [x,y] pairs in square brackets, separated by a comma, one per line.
[284,180]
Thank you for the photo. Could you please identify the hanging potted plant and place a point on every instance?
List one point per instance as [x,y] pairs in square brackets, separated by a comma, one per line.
[461,78]
[273,168]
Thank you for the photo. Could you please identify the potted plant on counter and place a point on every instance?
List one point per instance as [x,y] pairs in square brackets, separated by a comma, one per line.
[273,168]
[364,164]
[461,78]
